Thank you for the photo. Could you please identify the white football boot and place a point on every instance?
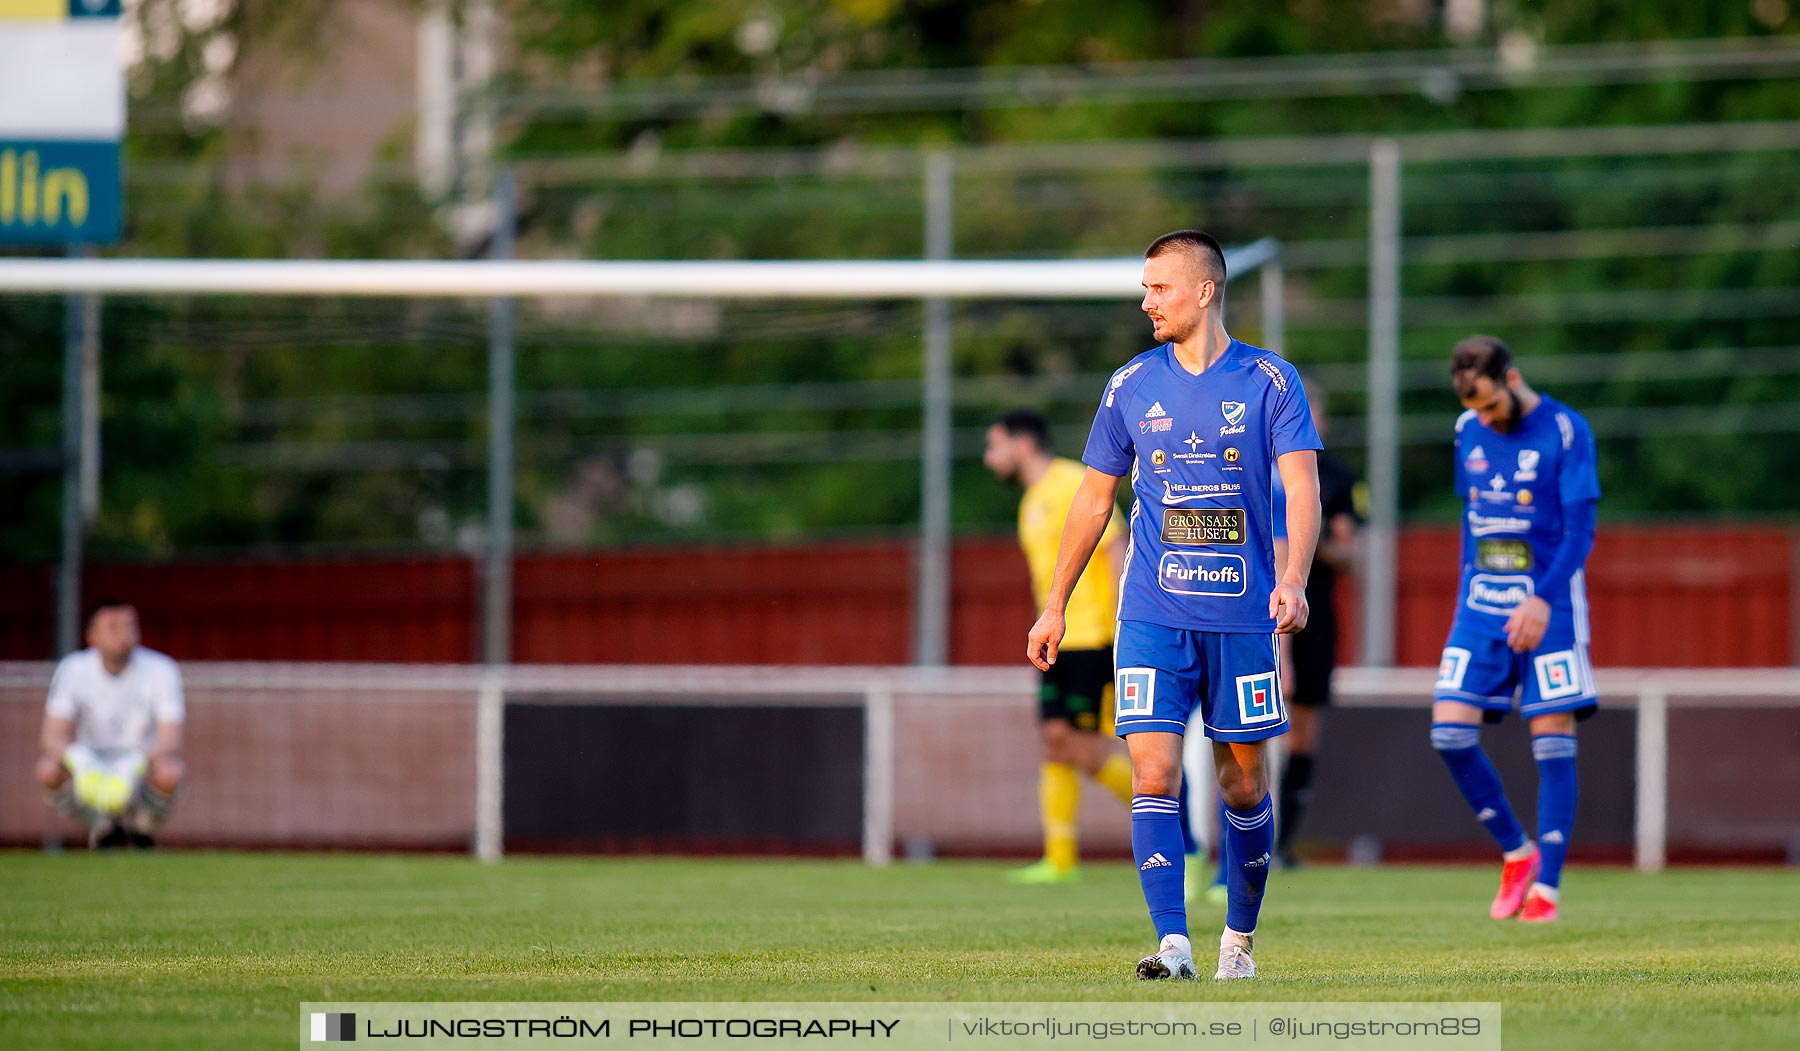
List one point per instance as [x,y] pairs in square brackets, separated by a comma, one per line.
[1234,957]
[1174,959]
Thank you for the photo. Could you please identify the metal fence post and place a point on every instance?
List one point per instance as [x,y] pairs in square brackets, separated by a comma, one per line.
[1652,832]
[1274,306]
[931,634]
[80,452]
[490,765]
[1379,576]
[496,618]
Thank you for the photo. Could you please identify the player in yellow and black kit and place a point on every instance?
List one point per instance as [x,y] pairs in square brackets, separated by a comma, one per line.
[1076,697]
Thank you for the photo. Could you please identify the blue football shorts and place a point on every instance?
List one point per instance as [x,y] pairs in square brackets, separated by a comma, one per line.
[1164,674]
[1480,669]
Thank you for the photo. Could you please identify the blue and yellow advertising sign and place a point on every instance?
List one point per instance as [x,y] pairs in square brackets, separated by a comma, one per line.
[62,114]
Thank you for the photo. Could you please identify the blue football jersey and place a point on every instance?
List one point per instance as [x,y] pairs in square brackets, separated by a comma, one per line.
[1200,450]
[1515,487]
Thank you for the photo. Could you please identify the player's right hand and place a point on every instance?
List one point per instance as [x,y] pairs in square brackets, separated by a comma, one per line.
[1045,638]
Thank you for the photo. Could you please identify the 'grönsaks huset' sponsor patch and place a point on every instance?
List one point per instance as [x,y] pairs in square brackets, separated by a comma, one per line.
[1192,526]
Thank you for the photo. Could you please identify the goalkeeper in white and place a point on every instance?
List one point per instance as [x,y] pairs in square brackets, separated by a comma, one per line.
[112,733]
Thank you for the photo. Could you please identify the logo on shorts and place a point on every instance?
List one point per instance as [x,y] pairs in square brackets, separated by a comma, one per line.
[1452,666]
[1258,699]
[1136,691]
[1558,675]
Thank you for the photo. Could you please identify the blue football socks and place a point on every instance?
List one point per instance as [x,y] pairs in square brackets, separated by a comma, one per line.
[1555,755]
[1250,843]
[1460,746]
[1156,842]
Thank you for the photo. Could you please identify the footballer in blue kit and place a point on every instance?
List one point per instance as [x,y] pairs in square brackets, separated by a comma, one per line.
[1199,423]
[1525,470]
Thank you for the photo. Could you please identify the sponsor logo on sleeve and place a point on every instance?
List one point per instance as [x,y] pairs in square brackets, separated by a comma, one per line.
[1494,593]
[1119,379]
[1273,373]
[1210,526]
[1258,699]
[1201,573]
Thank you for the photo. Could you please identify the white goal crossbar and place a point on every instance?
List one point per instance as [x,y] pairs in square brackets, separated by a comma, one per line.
[710,279]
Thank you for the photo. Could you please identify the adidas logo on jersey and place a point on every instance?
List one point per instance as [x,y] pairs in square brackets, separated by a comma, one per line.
[1155,861]
[1552,836]
[1155,411]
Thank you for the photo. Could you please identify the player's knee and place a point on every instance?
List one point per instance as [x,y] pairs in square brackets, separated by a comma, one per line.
[50,773]
[1059,740]
[1554,723]
[1452,737]
[1242,791]
[1159,780]
[166,773]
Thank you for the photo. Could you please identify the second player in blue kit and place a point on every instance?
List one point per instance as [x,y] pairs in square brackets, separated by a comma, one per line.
[1525,468]
[1199,423]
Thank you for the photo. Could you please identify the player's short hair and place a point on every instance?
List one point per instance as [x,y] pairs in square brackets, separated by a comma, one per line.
[1475,357]
[104,604]
[1202,246]
[1025,423]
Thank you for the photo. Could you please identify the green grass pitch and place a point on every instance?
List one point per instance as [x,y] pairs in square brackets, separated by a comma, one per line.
[197,951]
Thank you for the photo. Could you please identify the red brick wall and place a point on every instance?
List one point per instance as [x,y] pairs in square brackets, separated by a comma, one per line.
[1674,596]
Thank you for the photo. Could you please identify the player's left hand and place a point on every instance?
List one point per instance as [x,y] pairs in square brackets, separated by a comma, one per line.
[1287,604]
[1525,628]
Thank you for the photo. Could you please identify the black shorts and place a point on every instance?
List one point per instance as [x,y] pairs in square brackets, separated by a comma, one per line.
[1078,689]
[1315,658]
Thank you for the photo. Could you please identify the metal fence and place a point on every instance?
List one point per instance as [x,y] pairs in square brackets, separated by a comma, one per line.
[939,761]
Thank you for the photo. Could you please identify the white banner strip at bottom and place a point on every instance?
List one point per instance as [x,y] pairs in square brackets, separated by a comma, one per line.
[424,1026]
